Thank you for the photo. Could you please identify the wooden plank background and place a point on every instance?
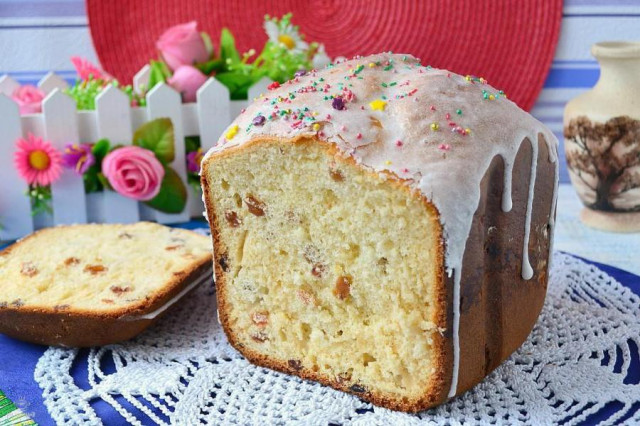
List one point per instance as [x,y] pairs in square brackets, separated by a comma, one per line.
[37,36]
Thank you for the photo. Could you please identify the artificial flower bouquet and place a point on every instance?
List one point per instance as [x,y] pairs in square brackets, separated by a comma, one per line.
[187,58]
[140,171]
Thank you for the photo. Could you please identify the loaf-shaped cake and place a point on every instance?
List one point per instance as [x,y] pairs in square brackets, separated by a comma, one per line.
[90,285]
[382,227]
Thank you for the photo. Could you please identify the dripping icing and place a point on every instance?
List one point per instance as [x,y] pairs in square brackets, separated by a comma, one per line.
[507,202]
[527,270]
[456,332]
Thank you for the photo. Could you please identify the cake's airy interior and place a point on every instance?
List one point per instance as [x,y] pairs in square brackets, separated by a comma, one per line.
[331,267]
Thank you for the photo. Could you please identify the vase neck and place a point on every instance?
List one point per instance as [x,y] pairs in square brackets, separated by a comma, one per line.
[619,74]
[619,67]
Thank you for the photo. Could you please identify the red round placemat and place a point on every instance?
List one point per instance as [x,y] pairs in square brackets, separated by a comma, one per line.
[508,42]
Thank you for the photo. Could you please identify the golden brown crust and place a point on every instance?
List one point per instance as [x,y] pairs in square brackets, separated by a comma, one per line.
[59,326]
[436,392]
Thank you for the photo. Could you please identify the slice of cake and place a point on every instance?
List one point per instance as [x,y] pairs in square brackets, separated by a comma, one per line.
[383,228]
[89,285]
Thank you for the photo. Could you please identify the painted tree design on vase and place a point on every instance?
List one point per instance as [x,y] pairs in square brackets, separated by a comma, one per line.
[604,162]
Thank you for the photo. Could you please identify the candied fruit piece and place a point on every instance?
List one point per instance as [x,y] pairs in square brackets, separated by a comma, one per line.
[232,218]
[342,288]
[95,269]
[260,318]
[255,206]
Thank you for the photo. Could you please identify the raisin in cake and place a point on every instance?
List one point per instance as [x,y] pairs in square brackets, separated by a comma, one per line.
[89,285]
[382,227]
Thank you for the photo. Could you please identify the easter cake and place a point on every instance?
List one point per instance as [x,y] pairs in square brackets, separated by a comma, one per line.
[96,284]
[382,227]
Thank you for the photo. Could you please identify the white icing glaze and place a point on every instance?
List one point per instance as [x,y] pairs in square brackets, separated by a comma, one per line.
[419,136]
[527,270]
[207,275]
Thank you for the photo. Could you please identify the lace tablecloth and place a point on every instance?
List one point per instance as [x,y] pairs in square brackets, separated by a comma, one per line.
[581,356]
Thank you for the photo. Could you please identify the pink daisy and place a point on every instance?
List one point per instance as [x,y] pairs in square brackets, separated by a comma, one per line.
[37,161]
[86,70]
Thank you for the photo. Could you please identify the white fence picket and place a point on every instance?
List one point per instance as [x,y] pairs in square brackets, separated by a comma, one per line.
[8,85]
[214,112]
[163,101]
[61,127]
[52,81]
[141,79]
[15,207]
[113,120]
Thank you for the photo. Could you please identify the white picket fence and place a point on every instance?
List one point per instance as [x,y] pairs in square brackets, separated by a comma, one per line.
[60,123]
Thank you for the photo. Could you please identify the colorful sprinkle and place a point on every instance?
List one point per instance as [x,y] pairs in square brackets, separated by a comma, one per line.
[273,85]
[435,126]
[378,105]
[459,111]
[399,143]
[300,73]
[233,130]
[315,127]
[359,136]
[444,147]
[258,120]
[338,103]
[432,108]
[388,163]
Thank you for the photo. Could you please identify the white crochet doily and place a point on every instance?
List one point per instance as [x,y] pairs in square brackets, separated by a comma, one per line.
[576,360]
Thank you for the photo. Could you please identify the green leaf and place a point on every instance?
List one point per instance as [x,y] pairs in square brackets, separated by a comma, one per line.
[228,47]
[159,73]
[191,143]
[238,84]
[214,65]
[104,181]
[208,44]
[157,136]
[91,181]
[100,149]
[172,197]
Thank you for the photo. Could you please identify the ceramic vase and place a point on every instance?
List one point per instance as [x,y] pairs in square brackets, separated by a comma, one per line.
[602,140]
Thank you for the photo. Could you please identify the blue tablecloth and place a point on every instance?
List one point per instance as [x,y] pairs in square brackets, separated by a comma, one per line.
[18,360]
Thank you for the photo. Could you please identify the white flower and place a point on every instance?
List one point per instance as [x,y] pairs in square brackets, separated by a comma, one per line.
[320,59]
[282,32]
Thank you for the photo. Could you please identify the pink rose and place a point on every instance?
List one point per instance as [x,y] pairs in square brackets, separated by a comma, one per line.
[86,69]
[133,172]
[29,99]
[182,45]
[187,80]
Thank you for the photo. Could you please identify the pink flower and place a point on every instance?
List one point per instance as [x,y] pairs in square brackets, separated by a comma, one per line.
[29,99]
[37,161]
[86,69]
[194,159]
[133,172]
[182,45]
[78,157]
[187,80]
